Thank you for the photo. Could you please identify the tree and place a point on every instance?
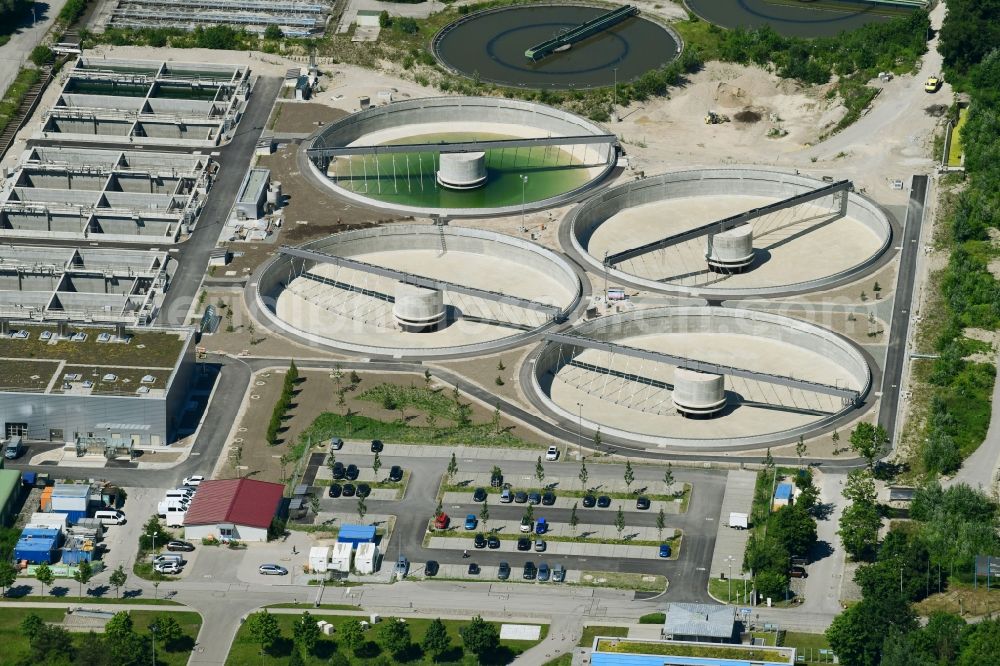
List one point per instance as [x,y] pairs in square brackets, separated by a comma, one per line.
[800,449]
[584,475]
[305,634]
[620,521]
[597,438]
[793,528]
[118,579]
[436,641]
[668,478]
[355,378]
[868,440]
[273,32]
[484,513]
[84,572]
[836,439]
[167,630]
[44,575]
[31,625]
[376,464]
[427,377]
[529,515]
[40,55]
[453,467]
[51,645]
[769,460]
[660,523]
[263,629]
[8,575]
[383,19]
[857,634]
[573,520]
[629,475]
[152,526]
[287,458]
[771,584]
[362,508]
[539,470]
[395,635]
[480,637]
[119,630]
[352,634]
[860,486]
[859,525]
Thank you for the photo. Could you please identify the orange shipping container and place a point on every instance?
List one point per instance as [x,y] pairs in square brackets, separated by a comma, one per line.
[46,503]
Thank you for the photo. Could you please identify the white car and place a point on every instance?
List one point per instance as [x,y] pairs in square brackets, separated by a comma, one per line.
[167,568]
[193,481]
[552,453]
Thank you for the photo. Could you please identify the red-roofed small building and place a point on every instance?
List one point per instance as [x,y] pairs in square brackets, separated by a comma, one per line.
[233,509]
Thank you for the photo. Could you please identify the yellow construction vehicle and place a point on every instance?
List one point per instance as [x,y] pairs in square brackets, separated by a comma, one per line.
[713,118]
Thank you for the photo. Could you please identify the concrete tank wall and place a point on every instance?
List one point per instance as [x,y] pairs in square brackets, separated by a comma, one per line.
[593,212]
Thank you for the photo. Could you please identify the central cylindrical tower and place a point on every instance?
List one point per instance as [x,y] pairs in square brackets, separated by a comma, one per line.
[418,309]
[730,251]
[462,171]
[698,394]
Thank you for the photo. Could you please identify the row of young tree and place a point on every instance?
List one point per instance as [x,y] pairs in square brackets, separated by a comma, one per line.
[353,641]
[282,405]
[949,527]
[121,644]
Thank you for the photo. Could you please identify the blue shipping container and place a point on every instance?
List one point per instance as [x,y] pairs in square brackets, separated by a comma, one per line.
[37,545]
[783,492]
[355,534]
[72,517]
[74,557]
[28,478]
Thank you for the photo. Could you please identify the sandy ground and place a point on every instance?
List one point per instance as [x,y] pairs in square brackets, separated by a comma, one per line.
[791,246]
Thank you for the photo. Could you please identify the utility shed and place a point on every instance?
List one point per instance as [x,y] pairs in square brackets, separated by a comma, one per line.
[704,623]
[253,194]
[356,534]
[37,545]
[782,495]
[10,494]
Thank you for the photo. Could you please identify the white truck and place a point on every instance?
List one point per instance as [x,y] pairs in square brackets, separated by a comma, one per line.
[739,521]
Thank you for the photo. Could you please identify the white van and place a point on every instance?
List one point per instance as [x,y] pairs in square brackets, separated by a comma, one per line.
[110,517]
[175,516]
[170,506]
[179,494]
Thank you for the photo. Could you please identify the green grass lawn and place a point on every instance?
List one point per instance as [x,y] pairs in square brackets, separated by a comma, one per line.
[689,650]
[593,631]
[244,651]
[955,150]
[806,645]
[356,426]
[561,660]
[18,648]
[720,589]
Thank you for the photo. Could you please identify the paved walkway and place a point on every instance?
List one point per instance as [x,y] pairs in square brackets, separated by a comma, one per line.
[732,542]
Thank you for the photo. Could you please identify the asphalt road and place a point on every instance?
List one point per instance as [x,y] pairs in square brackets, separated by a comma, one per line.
[235,159]
[896,357]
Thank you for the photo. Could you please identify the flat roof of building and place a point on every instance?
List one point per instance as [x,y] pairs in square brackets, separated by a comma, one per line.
[634,652]
[10,479]
[140,364]
[253,185]
[699,620]
[783,491]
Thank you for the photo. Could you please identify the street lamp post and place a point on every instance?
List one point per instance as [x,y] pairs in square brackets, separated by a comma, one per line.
[729,599]
[579,431]
[614,102]
[153,537]
[524,182]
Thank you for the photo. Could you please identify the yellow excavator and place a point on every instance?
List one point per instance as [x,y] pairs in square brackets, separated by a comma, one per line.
[713,118]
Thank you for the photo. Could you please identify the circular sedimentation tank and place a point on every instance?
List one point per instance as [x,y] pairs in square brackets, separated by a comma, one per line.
[795,18]
[664,404]
[490,46]
[346,308]
[807,247]
[471,182]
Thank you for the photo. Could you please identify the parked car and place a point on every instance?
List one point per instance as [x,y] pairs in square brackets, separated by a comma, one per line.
[492,542]
[530,571]
[589,501]
[664,550]
[548,499]
[183,546]
[527,525]
[540,545]
[552,453]
[441,521]
[377,446]
[543,572]
[431,568]
[364,490]
[471,521]
[534,499]
[558,573]
[474,569]
[798,572]
[520,497]
[193,481]
[395,473]
[479,495]
[603,502]
[479,541]
[506,497]
[524,544]
[642,503]
[352,472]
[348,490]
[339,471]
[932,85]
[272,570]
[541,527]
[503,571]
[167,568]
[336,444]
[163,559]
[402,566]
[334,490]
